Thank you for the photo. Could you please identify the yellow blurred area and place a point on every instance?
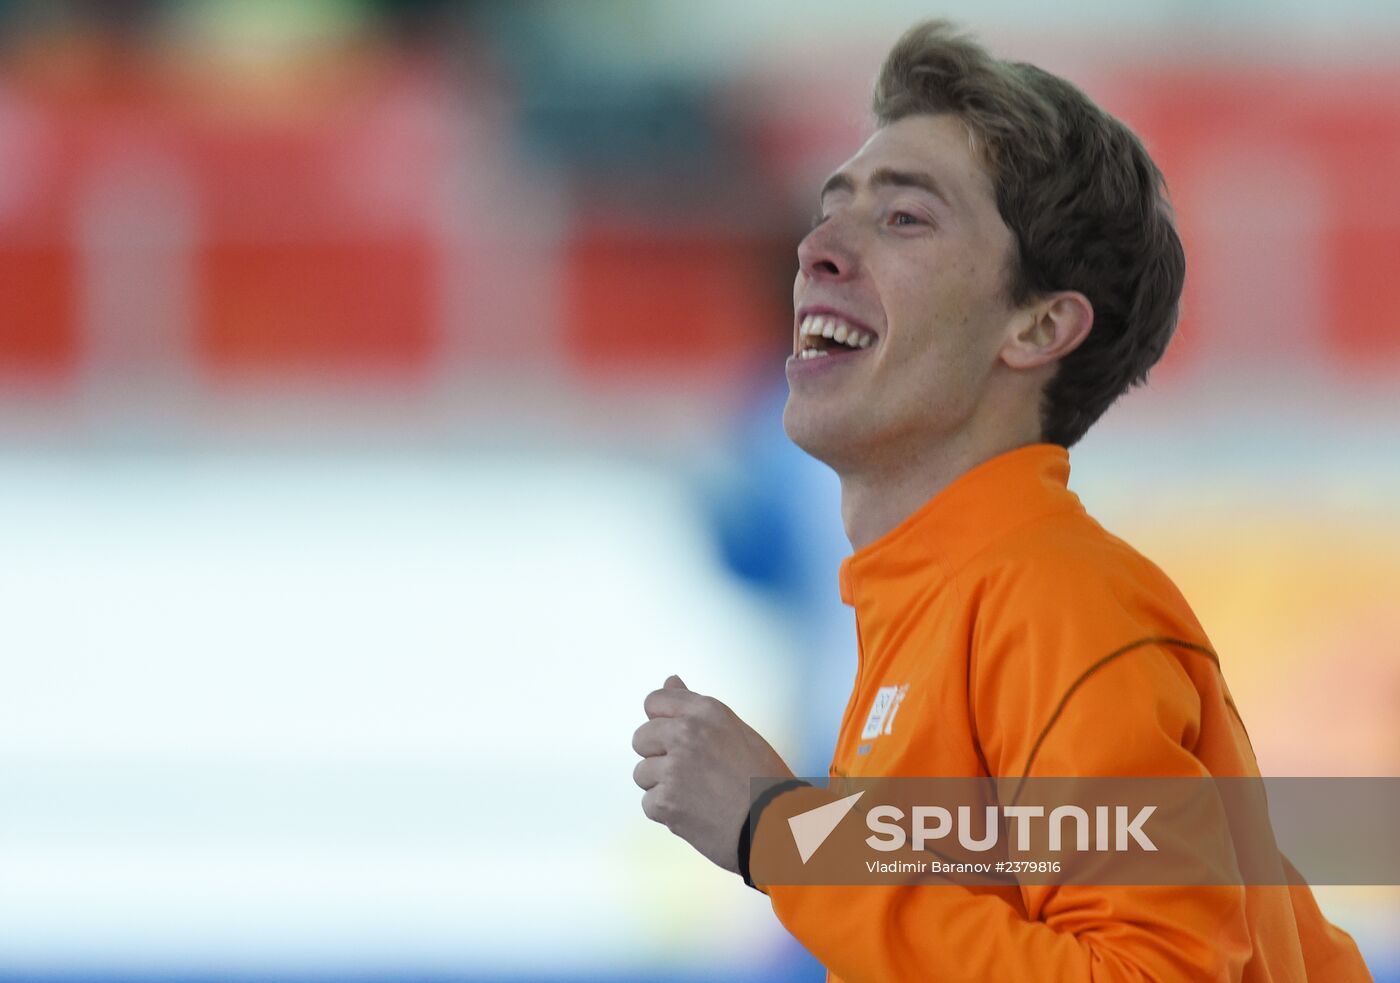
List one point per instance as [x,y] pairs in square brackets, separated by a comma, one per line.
[1301,608]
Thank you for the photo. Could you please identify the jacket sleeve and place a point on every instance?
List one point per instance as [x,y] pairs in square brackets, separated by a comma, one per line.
[1047,704]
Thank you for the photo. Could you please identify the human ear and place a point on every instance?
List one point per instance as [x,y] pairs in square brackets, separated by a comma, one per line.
[1049,330]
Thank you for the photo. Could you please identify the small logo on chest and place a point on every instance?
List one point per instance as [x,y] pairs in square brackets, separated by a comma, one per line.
[883,711]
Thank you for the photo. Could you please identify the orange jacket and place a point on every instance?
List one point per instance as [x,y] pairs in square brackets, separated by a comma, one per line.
[1002,632]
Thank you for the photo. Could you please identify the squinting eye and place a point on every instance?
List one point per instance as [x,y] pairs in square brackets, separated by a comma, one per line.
[897,216]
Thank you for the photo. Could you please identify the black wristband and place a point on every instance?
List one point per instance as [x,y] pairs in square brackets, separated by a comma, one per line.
[764,799]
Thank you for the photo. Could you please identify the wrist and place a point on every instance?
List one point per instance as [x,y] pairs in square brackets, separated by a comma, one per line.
[750,824]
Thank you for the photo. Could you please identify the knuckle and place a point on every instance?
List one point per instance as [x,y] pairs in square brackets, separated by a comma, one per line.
[707,709]
[657,806]
[718,709]
[687,733]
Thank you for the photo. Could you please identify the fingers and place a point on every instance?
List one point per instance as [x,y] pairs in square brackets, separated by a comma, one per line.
[660,806]
[654,736]
[653,807]
[647,774]
[670,700]
[665,729]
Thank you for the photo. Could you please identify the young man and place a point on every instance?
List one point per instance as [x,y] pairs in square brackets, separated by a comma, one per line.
[990,271]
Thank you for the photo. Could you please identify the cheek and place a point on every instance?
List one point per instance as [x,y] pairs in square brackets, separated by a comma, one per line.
[949,338]
[935,312]
[944,303]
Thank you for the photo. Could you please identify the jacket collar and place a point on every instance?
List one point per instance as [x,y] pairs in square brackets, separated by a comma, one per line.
[979,507]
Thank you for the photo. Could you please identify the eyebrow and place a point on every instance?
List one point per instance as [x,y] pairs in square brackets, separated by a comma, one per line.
[887,177]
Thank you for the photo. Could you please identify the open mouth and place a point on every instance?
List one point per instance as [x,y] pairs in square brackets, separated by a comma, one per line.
[822,335]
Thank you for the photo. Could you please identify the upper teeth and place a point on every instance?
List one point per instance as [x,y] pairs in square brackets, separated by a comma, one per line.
[827,326]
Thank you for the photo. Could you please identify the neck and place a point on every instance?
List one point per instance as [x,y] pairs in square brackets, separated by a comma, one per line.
[876,499]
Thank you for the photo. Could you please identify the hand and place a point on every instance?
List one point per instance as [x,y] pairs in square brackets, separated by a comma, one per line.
[697,761]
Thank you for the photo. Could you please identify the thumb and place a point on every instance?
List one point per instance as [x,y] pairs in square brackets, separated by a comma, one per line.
[674,682]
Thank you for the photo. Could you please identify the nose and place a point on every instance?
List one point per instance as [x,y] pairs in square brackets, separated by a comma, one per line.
[826,253]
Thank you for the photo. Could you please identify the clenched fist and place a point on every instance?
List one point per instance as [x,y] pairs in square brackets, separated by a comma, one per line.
[697,761]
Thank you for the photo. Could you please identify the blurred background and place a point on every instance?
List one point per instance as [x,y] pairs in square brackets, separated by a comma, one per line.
[389,399]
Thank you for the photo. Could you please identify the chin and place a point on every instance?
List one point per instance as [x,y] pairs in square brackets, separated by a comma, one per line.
[825,436]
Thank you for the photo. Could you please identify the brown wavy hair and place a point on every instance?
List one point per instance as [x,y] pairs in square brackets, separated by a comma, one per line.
[1085,203]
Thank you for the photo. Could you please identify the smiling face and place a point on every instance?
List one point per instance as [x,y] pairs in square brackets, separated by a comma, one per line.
[912,259]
